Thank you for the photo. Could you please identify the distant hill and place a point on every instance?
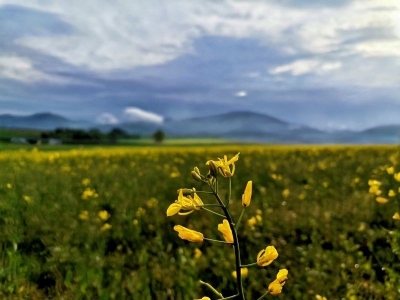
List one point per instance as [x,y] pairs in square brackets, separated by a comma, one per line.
[41,121]
[239,125]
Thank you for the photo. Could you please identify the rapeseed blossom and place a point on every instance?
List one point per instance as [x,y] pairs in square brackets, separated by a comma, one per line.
[185,203]
[275,287]
[246,197]
[226,231]
[188,234]
[266,256]
[223,165]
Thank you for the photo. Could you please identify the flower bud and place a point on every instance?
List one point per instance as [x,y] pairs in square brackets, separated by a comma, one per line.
[196,176]
[186,192]
[213,168]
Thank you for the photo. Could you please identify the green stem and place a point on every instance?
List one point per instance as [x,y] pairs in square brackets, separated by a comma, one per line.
[263,295]
[215,213]
[229,192]
[230,297]
[211,288]
[240,218]
[204,192]
[208,205]
[249,265]
[217,241]
[235,245]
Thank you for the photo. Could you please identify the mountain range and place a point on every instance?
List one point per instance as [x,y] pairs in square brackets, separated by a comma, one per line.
[238,126]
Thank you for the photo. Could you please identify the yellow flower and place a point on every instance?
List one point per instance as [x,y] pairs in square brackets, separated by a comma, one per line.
[373,182]
[185,203]
[397,176]
[205,298]
[223,165]
[9,185]
[85,181]
[103,215]
[226,231]
[105,227]
[188,234]
[381,200]
[27,198]
[244,272]
[266,256]
[84,215]
[396,216]
[391,193]
[318,297]
[246,197]
[197,253]
[390,170]
[286,193]
[275,287]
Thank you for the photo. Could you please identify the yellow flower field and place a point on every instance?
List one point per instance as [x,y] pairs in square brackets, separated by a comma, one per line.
[91,224]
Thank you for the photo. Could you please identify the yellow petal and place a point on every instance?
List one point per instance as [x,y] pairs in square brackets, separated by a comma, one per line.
[396,216]
[173,209]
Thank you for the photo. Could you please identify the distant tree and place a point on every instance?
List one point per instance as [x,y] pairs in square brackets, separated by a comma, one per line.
[117,133]
[159,136]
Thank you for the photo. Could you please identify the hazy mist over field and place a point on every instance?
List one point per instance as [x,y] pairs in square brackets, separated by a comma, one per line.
[324,64]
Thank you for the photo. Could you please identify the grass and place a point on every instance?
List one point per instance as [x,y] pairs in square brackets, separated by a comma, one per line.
[331,235]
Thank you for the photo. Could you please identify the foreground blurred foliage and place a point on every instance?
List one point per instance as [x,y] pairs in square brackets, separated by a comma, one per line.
[91,224]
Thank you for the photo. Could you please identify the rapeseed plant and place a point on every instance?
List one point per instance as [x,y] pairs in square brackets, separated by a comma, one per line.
[189,201]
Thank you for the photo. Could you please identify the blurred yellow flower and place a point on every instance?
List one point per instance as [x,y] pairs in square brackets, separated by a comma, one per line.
[9,185]
[84,215]
[286,193]
[396,216]
[85,181]
[381,200]
[103,215]
[106,226]
[246,197]
[205,298]
[244,272]
[27,198]
[226,231]
[391,193]
[135,222]
[185,203]
[318,297]
[266,256]
[197,253]
[390,170]
[397,176]
[89,193]
[188,234]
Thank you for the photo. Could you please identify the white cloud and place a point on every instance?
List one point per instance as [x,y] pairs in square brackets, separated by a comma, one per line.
[135,114]
[306,66]
[125,34]
[241,94]
[107,118]
[20,69]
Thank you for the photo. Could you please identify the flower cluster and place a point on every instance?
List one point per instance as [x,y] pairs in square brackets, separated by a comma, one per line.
[189,201]
[385,192]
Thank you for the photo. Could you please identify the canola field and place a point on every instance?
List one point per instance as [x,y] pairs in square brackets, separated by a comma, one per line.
[92,224]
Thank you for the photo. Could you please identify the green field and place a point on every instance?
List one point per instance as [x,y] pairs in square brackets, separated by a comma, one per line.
[331,234]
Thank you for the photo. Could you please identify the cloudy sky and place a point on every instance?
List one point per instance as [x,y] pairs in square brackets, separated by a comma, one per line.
[323,63]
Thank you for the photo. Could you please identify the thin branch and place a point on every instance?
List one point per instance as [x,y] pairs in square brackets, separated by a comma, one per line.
[215,213]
